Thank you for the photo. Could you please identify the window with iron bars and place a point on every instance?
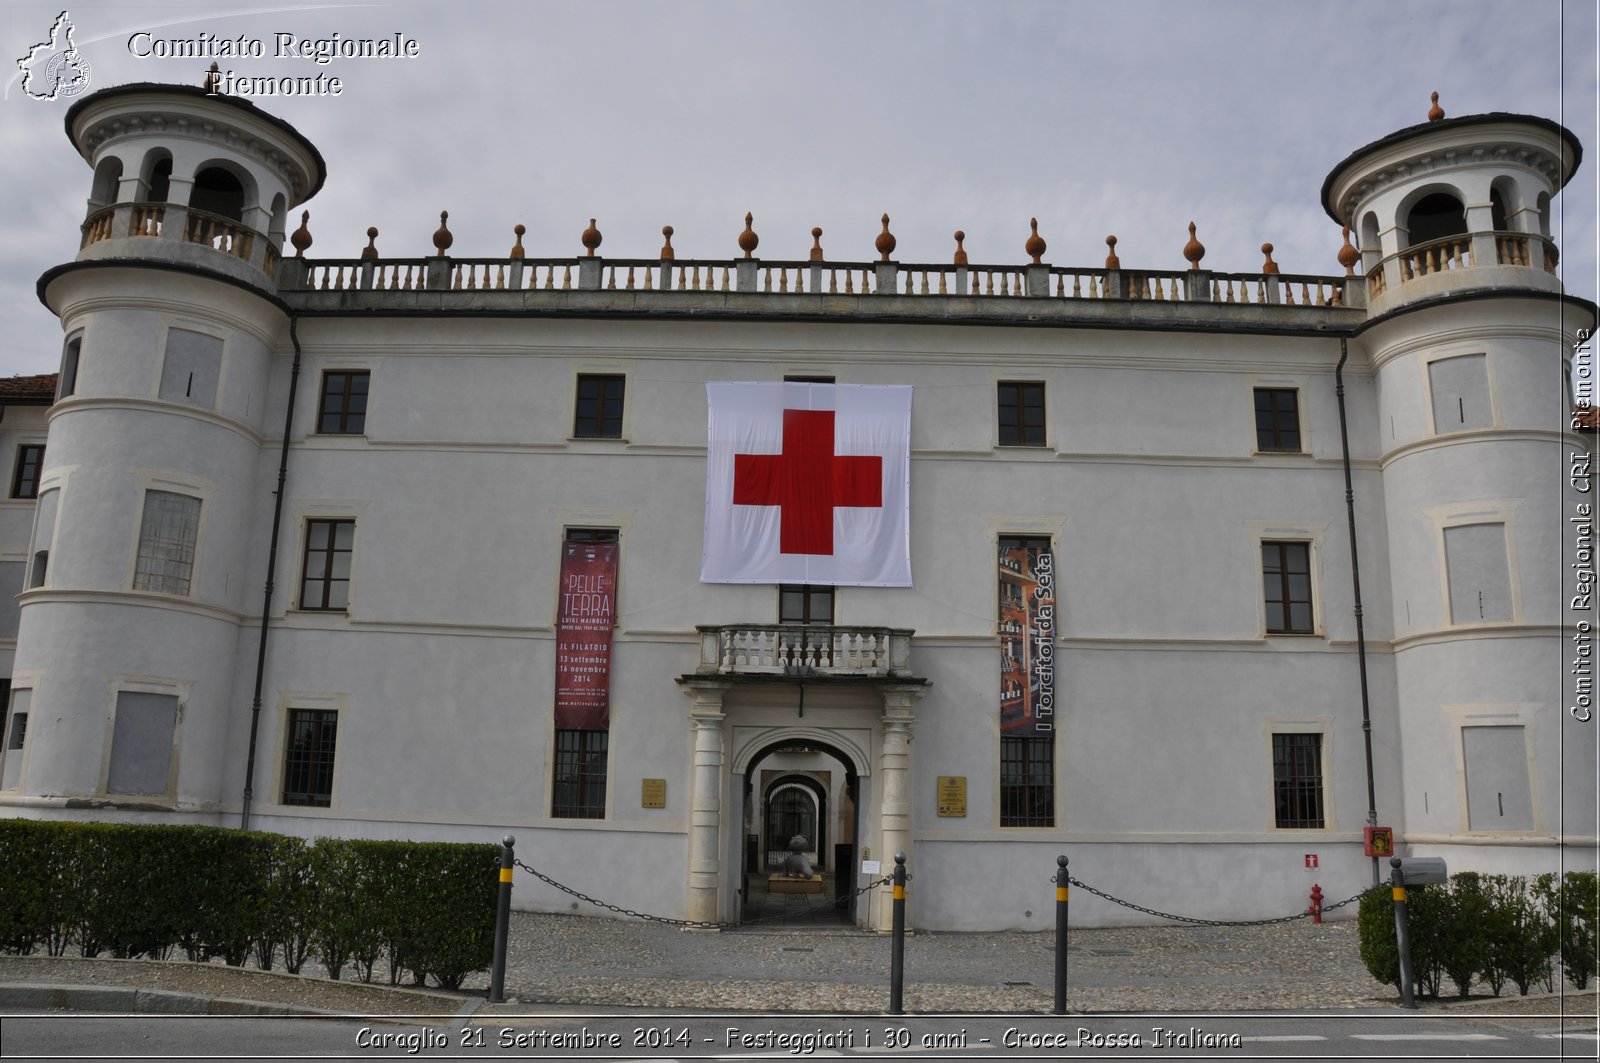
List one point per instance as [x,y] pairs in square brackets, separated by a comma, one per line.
[580,777]
[1027,782]
[308,757]
[1297,780]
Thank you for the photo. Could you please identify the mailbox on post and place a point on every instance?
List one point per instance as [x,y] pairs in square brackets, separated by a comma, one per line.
[1423,871]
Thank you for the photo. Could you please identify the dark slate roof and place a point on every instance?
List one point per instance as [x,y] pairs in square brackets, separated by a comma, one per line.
[28,390]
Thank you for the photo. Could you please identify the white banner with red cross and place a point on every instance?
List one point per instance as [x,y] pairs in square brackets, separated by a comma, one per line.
[808,483]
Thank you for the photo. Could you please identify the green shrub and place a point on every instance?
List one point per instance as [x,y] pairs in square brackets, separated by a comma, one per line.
[1521,939]
[1427,921]
[25,881]
[1465,945]
[1571,904]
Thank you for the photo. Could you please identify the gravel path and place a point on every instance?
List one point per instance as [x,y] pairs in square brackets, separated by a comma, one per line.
[593,963]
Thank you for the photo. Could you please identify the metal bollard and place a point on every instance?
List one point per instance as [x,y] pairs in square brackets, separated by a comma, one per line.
[1402,933]
[897,946]
[1061,935]
[502,924]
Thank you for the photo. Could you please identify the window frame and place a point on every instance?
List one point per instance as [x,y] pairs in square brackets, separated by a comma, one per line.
[71,359]
[1021,430]
[573,761]
[321,761]
[1287,602]
[1290,792]
[1275,432]
[599,425]
[27,489]
[326,578]
[1020,801]
[343,413]
[808,594]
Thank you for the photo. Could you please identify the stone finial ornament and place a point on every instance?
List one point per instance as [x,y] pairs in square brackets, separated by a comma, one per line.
[885,241]
[301,238]
[961,252]
[1348,255]
[1268,266]
[816,244]
[517,253]
[212,82]
[667,253]
[591,238]
[1194,250]
[1112,261]
[748,240]
[370,252]
[443,237]
[1035,245]
[1435,113]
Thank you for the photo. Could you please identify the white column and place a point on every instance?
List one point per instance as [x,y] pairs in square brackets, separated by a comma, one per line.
[705,808]
[894,776]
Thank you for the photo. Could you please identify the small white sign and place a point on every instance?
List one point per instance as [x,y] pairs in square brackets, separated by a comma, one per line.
[871,867]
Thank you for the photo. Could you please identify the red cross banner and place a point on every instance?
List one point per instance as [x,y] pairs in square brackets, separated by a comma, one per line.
[808,483]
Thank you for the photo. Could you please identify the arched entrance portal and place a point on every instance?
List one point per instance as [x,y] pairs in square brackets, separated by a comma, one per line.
[806,786]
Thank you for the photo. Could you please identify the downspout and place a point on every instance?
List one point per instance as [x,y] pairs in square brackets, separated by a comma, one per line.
[1355,579]
[272,568]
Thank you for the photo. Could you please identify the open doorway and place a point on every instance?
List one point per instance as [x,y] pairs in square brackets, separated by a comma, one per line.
[800,788]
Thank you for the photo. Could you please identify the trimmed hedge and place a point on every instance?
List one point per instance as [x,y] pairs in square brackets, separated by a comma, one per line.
[145,890]
[1490,928]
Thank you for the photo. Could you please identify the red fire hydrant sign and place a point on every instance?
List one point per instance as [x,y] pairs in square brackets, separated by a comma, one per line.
[1311,859]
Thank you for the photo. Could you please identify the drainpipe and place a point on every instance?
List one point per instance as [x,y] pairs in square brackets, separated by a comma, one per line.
[1355,579]
[272,568]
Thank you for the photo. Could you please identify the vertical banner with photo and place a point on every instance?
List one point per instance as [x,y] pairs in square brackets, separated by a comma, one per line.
[1027,641]
[584,621]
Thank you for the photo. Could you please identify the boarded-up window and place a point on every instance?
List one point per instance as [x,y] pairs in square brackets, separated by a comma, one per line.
[1460,388]
[16,734]
[190,370]
[141,743]
[1480,574]
[1498,795]
[10,587]
[44,530]
[167,537]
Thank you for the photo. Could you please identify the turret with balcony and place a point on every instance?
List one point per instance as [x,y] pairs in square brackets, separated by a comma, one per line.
[187,177]
[1453,205]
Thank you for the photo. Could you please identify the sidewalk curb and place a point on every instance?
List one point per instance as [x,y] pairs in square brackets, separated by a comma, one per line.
[123,1000]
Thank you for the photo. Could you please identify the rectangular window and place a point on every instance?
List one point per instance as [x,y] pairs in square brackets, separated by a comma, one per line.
[67,384]
[141,743]
[806,378]
[342,409]
[591,535]
[1297,780]
[308,757]
[1460,388]
[1021,414]
[800,603]
[1286,577]
[580,777]
[1278,420]
[1027,782]
[1479,573]
[15,736]
[599,413]
[325,579]
[25,480]
[1496,762]
[167,537]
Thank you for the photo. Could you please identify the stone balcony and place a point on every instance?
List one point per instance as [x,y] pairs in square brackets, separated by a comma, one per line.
[805,651]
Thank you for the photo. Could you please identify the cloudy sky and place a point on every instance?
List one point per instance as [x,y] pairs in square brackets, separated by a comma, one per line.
[1130,118]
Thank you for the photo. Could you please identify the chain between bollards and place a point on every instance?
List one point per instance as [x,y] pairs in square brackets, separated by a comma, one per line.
[502,923]
[1061,934]
[897,950]
[1402,932]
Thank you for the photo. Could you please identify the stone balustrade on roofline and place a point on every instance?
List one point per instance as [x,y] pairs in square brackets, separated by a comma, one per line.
[1030,292]
[805,650]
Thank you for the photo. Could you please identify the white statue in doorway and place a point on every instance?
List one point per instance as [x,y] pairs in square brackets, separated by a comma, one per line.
[796,864]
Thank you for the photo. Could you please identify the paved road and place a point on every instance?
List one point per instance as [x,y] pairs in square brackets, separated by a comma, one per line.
[1380,1035]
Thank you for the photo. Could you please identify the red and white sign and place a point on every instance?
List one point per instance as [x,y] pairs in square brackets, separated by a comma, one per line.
[1311,859]
[808,483]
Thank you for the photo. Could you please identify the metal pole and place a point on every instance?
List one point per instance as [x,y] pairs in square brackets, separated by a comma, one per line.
[897,947]
[1061,935]
[1402,933]
[502,923]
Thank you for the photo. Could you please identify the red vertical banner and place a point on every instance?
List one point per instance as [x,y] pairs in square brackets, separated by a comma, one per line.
[1027,641]
[584,620]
